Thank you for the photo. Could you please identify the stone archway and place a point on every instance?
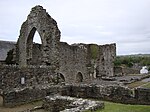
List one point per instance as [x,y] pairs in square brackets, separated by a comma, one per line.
[29,46]
[79,77]
[39,20]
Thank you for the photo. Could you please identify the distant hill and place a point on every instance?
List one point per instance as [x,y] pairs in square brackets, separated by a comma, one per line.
[135,55]
[5,46]
[144,55]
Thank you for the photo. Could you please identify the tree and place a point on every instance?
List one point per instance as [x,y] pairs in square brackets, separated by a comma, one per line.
[9,57]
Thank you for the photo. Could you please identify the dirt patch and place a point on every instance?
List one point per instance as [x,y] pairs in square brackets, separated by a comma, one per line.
[22,107]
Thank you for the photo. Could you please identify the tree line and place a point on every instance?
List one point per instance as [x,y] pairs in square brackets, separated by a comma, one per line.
[131,60]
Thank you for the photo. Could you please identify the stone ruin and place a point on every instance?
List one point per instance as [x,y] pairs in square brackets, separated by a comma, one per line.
[59,104]
[51,62]
[75,63]
[40,70]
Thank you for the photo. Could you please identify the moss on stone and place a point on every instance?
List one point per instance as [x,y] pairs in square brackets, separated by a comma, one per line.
[94,51]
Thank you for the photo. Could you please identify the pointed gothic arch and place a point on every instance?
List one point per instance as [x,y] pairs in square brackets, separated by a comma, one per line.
[33,50]
[37,38]
[39,20]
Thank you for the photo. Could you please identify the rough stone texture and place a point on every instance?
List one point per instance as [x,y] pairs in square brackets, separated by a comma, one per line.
[109,92]
[38,20]
[18,96]
[85,62]
[70,104]
[97,91]
[52,61]
[76,63]
[142,95]
[80,62]
[107,58]
[11,76]
[73,61]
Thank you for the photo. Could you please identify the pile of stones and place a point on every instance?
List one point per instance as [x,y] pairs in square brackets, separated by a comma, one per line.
[70,104]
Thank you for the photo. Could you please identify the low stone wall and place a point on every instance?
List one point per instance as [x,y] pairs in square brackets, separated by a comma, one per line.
[15,77]
[70,104]
[20,96]
[142,95]
[111,93]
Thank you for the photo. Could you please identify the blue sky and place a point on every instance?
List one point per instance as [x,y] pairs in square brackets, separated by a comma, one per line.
[124,22]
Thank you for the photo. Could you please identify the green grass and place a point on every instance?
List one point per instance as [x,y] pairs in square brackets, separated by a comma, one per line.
[117,107]
[134,75]
[136,84]
[147,85]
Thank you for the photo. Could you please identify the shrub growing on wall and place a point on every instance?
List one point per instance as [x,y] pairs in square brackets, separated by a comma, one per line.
[94,51]
[9,57]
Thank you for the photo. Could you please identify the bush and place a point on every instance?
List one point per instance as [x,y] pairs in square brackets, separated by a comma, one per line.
[9,57]
[129,61]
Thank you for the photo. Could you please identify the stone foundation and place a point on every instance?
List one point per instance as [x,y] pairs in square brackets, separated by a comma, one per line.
[110,93]
[20,96]
[15,77]
[70,104]
[142,95]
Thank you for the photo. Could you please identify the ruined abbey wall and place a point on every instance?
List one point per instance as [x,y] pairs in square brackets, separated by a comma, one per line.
[104,62]
[15,77]
[38,20]
[88,60]
[41,70]
[75,63]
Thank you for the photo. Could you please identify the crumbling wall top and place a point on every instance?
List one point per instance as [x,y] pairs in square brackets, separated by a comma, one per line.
[39,20]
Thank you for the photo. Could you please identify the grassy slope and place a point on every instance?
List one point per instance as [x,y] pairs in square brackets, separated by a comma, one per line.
[147,85]
[136,84]
[116,107]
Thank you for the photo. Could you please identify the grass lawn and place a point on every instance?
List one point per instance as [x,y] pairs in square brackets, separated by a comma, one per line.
[134,74]
[117,107]
[136,84]
[147,85]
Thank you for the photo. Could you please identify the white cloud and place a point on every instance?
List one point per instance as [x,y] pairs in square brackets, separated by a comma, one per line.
[125,22]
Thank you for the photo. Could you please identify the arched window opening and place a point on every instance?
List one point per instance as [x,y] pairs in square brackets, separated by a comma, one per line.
[79,77]
[50,38]
[34,48]
[37,38]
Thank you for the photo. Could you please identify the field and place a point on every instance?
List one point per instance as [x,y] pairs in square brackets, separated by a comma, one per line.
[22,107]
[146,85]
[136,84]
[117,107]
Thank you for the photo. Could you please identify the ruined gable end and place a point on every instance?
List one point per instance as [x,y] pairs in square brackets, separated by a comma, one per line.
[38,20]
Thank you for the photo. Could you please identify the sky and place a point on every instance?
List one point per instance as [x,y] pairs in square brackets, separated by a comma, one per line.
[124,22]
